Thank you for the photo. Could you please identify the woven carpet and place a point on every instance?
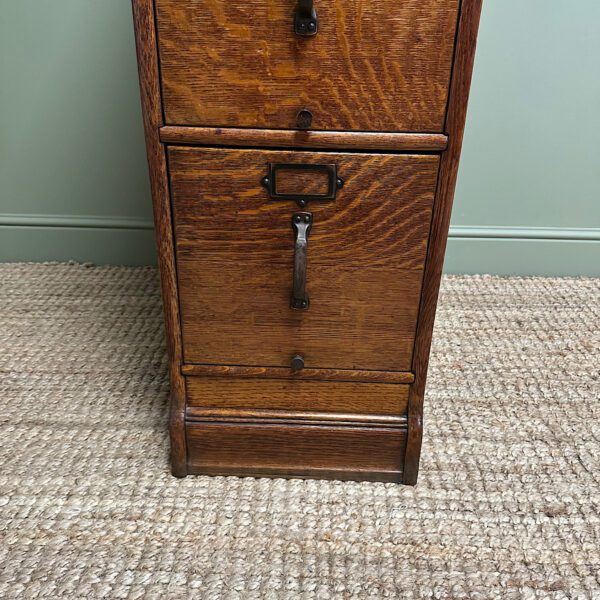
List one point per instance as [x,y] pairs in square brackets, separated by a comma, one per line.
[507,504]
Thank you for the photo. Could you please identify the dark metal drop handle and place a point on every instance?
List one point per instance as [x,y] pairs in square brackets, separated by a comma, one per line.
[306,22]
[301,223]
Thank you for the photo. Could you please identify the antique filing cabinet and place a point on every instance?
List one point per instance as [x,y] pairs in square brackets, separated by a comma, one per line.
[303,158]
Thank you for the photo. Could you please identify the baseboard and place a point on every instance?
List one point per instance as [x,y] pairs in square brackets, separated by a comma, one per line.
[510,256]
[100,246]
[565,234]
[120,240]
[74,221]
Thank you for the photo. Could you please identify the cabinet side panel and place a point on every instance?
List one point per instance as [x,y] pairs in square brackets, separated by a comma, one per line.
[147,55]
[455,122]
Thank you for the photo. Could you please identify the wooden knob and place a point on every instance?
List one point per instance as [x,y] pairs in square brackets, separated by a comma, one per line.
[297,363]
[304,119]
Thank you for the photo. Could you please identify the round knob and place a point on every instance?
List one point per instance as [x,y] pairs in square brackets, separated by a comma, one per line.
[304,119]
[297,362]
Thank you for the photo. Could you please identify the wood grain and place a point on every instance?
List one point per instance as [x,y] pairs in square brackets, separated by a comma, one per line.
[298,395]
[376,66]
[296,450]
[365,260]
[455,123]
[304,374]
[146,45]
[280,138]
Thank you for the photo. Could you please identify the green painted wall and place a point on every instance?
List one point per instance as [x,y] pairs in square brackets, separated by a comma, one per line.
[71,141]
[73,179]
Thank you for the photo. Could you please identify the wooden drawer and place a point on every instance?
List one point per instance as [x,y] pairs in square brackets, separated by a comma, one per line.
[296,451]
[235,258]
[373,66]
[297,398]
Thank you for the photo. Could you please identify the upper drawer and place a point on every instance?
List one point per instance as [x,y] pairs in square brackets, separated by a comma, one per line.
[372,66]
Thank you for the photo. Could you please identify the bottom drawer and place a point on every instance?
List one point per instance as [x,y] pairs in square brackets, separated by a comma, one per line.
[361,453]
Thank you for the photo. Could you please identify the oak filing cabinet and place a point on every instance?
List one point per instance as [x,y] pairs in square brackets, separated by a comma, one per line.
[303,158]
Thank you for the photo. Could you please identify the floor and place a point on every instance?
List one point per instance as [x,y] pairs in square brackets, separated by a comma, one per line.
[507,504]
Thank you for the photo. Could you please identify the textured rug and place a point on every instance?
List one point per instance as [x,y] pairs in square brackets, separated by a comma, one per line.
[507,504]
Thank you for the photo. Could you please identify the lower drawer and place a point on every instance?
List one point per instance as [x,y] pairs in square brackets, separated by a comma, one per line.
[351,261]
[369,453]
[295,395]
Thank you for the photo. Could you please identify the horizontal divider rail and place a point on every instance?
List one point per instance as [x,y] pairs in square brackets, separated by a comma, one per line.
[290,138]
[400,377]
[196,413]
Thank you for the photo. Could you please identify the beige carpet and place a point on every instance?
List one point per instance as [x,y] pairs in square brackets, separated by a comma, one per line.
[507,504]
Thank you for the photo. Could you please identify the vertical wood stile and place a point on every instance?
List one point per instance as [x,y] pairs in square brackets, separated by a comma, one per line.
[147,55]
[455,123]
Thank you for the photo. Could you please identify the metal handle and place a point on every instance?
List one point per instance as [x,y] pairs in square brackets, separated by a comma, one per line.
[301,223]
[306,22]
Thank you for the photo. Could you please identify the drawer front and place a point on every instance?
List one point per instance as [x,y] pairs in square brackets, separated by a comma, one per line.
[372,66]
[296,450]
[236,258]
[322,397]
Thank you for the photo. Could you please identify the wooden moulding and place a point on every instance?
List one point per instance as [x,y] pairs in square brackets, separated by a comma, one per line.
[283,372]
[146,45]
[281,138]
[231,415]
[455,124]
